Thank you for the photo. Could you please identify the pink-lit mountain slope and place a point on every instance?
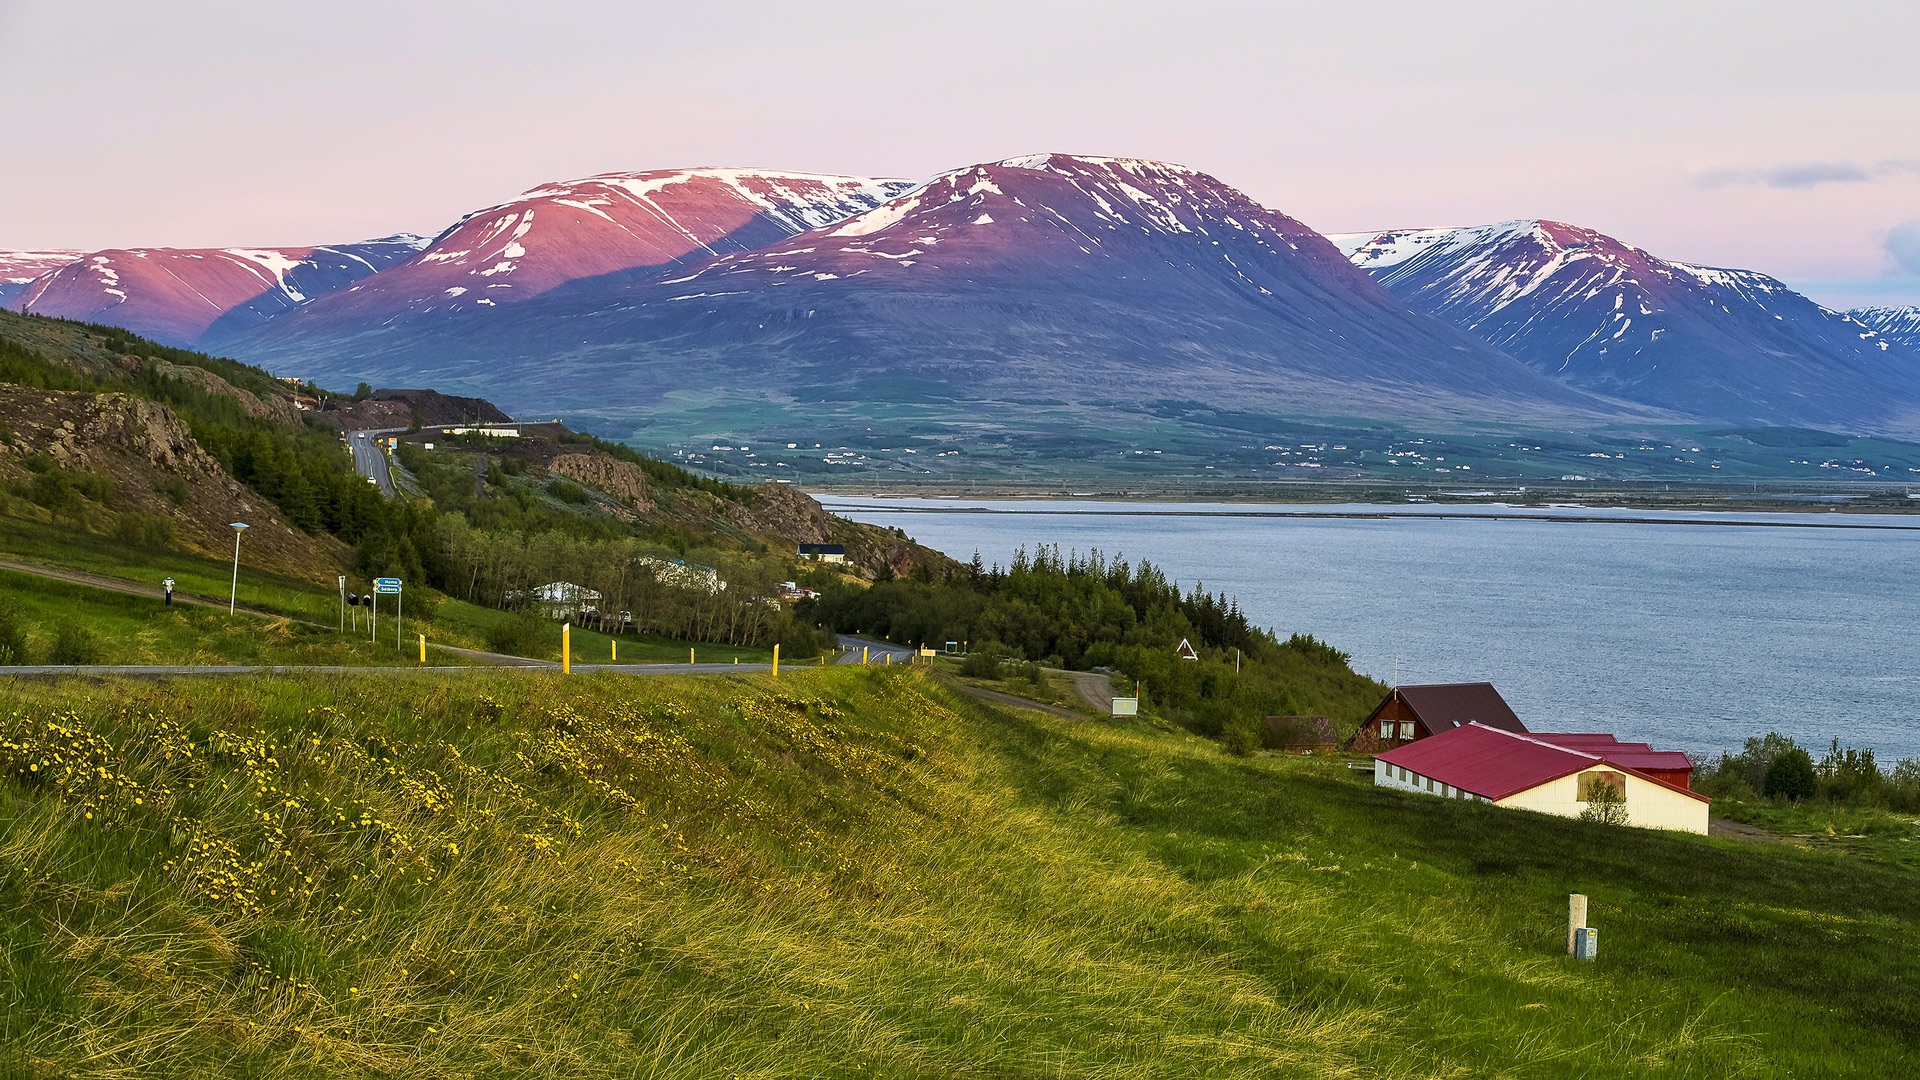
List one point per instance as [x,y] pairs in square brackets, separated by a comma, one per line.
[19,268]
[604,228]
[199,296]
[1600,315]
[1020,293]
[1900,325]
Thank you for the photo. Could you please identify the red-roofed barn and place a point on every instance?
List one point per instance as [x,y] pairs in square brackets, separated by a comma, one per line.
[1507,768]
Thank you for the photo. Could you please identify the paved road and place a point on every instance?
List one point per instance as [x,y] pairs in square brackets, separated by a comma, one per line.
[1095,689]
[370,461]
[876,651]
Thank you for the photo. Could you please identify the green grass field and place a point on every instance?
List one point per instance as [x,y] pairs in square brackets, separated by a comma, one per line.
[858,873]
[126,629]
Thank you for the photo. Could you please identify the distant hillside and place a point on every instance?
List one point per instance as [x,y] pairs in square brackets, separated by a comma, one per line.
[192,297]
[1730,346]
[1900,325]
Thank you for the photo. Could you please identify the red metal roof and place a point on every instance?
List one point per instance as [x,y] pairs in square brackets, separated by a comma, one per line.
[1444,706]
[1494,764]
[1631,755]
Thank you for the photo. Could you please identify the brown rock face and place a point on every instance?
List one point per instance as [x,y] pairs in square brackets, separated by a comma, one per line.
[157,470]
[780,510]
[621,479]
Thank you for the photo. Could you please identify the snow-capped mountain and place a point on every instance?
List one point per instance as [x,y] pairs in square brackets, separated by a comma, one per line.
[603,227]
[1007,290]
[198,296]
[1598,314]
[18,268]
[1900,325]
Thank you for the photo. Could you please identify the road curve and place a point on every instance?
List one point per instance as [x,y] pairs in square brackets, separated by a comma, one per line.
[370,461]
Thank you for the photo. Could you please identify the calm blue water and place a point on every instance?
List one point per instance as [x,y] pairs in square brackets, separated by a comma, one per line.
[1691,636]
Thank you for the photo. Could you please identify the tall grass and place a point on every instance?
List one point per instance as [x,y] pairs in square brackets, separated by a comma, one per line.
[850,873]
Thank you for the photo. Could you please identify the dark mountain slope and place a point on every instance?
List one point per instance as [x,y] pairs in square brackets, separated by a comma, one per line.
[1719,345]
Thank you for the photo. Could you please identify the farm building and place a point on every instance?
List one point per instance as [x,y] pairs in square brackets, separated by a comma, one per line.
[1418,712]
[1506,768]
[1671,766]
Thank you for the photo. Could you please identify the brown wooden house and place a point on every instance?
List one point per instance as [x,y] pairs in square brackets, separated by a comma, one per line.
[1412,713]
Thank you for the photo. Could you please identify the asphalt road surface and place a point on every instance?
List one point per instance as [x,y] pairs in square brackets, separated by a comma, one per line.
[370,461]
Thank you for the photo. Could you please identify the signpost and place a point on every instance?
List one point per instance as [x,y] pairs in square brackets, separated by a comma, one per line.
[233,596]
[343,603]
[167,584]
[390,586]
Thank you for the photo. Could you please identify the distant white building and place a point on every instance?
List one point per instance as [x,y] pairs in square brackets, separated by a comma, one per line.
[563,599]
[683,574]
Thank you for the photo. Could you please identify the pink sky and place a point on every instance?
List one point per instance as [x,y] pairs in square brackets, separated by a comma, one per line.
[1784,137]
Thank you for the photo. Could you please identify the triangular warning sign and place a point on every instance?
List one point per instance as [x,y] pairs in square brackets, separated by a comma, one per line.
[1185,651]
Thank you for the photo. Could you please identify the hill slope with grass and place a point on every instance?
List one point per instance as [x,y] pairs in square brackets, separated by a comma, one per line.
[854,873]
[123,457]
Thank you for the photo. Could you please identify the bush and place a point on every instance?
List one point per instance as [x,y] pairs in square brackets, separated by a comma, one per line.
[51,489]
[145,531]
[1241,734]
[1790,776]
[175,488]
[569,492]
[522,633]
[13,637]
[987,661]
[74,643]
[1606,805]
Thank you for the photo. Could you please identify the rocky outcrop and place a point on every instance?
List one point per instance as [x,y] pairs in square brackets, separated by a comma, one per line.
[156,470]
[780,510]
[621,479]
[280,410]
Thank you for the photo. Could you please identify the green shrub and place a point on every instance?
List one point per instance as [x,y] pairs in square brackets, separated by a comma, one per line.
[1791,775]
[145,531]
[13,637]
[74,643]
[51,489]
[94,486]
[175,488]
[1241,734]
[986,661]
[568,492]
[522,633]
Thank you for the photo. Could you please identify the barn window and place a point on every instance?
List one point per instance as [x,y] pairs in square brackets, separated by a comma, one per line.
[1386,729]
[1593,781]
[1406,729]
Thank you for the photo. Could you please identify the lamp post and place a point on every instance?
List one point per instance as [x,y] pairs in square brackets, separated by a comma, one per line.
[233,596]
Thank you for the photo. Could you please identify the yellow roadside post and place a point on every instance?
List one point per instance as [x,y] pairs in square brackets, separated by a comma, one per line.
[423,648]
[863,656]
[566,648]
[616,651]
[776,659]
[690,658]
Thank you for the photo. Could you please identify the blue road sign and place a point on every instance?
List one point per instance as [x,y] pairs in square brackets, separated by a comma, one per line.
[386,586]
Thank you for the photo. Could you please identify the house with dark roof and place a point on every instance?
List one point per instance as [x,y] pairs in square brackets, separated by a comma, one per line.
[1410,713]
[831,553]
[1490,764]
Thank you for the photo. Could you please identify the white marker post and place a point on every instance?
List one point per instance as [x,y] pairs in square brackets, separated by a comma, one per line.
[233,597]
[1576,918]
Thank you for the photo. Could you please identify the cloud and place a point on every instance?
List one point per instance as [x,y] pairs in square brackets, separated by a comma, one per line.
[1801,175]
[1903,243]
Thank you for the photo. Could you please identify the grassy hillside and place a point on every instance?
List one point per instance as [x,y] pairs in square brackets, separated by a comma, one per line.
[853,873]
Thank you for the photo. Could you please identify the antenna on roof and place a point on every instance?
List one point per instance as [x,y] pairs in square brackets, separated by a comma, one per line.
[1396,676]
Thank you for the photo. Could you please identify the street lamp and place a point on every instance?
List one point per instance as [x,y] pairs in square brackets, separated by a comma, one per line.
[234,594]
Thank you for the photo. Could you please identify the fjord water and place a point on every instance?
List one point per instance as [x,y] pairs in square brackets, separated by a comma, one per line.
[1692,631]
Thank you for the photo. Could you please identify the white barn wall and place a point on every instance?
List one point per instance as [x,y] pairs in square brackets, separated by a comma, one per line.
[1649,805]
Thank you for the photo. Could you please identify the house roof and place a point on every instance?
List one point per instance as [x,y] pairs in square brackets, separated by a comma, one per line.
[1443,706]
[1494,763]
[1632,755]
